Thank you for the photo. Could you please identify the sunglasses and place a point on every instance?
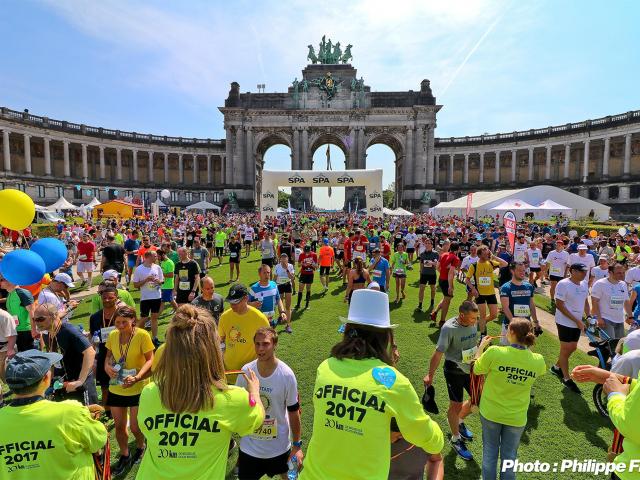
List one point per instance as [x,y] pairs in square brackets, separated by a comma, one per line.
[39,319]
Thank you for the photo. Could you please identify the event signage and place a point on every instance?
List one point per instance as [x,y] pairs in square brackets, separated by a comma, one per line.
[509,222]
[469,200]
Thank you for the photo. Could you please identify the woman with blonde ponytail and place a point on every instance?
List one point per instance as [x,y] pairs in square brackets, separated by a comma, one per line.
[188,413]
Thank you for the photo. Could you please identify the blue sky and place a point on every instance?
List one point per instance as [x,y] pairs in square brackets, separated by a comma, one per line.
[164,67]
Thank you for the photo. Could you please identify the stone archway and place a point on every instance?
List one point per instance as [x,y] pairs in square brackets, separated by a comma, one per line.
[397,143]
[263,141]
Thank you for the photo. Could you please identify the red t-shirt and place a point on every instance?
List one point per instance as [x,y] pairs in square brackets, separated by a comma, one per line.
[360,243]
[308,261]
[86,251]
[446,260]
[347,249]
[386,250]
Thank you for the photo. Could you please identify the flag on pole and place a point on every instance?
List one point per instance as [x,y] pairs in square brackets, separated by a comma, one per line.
[349,208]
[329,164]
[357,203]
[304,207]
[509,223]
[289,204]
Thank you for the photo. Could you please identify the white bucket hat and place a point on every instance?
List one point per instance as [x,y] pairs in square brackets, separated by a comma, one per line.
[370,308]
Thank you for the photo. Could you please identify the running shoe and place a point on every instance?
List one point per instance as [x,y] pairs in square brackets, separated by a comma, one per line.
[122,464]
[288,329]
[273,323]
[147,324]
[433,316]
[465,433]
[137,455]
[461,449]
[557,371]
[571,385]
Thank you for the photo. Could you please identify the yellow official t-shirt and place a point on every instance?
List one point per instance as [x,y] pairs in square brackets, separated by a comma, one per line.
[484,276]
[624,412]
[238,332]
[135,358]
[193,445]
[52,440]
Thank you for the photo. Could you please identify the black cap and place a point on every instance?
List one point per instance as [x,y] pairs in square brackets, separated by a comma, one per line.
[581,267]
[429,400]
[236,293]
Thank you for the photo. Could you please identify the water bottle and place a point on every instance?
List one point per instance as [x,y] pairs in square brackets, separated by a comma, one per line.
[36,344]
[292,474]
[96,338]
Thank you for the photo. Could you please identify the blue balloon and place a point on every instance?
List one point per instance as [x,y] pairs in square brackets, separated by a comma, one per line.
[52,251]
[22,267]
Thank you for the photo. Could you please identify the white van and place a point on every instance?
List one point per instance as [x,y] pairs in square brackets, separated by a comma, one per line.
[45,216]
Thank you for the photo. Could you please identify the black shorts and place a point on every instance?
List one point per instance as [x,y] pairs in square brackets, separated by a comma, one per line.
[248,242]
[284,288]
[347,263]
[410,250]
[267,261]
[457,383]
[209,244]
[182,296]
[152,306]
[339,255]
[115,400]
[568,334]
[444,287]
[488,299]
[306,278]
[252,468]
[428,279]
[555,278]
[235,259]
[325,270]
[534,269]
[219,251]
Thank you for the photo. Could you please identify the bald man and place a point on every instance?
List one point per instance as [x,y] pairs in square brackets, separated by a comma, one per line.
[209,299]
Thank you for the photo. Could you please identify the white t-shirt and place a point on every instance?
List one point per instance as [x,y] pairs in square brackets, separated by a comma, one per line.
[277,392]
[282,276]
[520,251]
[411,238]
[632,277]
[586,260]
[467,262]
[7,328]
[573,297]
[611,297]
[597,273]
[558,262]
[627,364]
[248,233]
[150,290]
[535,257]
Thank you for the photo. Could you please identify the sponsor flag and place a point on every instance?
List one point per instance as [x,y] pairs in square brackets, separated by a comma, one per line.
[329,164]
[469,200]
[509,222]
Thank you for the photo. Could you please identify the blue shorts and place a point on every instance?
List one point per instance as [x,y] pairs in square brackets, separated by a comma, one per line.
[167,294]
[131,263]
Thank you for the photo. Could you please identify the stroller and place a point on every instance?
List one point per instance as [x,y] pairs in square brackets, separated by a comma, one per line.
[604,348]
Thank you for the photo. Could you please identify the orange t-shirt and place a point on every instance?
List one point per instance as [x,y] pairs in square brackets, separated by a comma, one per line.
[326,256]
[142,250]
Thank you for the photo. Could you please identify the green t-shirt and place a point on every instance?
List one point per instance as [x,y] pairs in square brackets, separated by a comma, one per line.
[198,442]
[352,413]
[123,296]
[400,262]
[173,256]
[167,266]
[386,234]
[56,441]
[221,237]
[119,239]
[509,375]
[17,300]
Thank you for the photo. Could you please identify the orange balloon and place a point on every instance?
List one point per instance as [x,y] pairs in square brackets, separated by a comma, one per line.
[593,234]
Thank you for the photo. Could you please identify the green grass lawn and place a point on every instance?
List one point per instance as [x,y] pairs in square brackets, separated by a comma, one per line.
[561,424]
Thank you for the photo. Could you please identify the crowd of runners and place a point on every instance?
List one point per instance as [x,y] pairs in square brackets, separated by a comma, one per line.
[214,379]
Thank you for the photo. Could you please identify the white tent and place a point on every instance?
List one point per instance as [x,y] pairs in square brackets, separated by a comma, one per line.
[62,204]
[401,212]
[40,208]
[203,206]
[93,203]
[519,207]
[388,211]
[549,208]
[159,203]
[483,202]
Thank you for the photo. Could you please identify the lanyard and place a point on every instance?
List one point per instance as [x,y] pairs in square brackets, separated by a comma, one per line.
[52,338]
[123,356]
[519,347]
[104,320]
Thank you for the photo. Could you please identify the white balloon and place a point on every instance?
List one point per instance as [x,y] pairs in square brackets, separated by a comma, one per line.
[622,231]
[165,193]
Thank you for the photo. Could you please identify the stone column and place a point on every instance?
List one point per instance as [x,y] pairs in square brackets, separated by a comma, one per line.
[450,176]
[250,174]
[166,167]
[585,164]
[209,172]
[150,171]
[481,173]
[428,153]
[497,167]
[605,157]
[228,170]
[466,169]
[238,157]
[547,165]
[119,163]
[514,165]
[530,165]
[437,167]
[304,156]
[180,169]
[295,154]
[134,152]
[412,175]
[362,154]
[567,160]
[85,163]
[194,170]
[47,156]
[6,147]
[626,168]
[67,163]
[223,169]
[27,153]
[102,167]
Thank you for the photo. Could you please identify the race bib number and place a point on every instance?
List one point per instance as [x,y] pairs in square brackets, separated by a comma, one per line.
[197,256]
[233,254]
[104,333]
[268,430]
[184,285]
[484,281]
[124,373]
[616,301]
[82,258]
[521,310]
[427,263]
[469,355]
[282,280]
[399,271]
[555,271]
[377,273]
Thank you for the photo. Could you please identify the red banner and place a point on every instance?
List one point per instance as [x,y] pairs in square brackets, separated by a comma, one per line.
[509,222]
[469,200]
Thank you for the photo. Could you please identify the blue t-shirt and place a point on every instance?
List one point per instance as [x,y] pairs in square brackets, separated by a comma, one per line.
[519,299]
[379,274]
[636,311]
[268,295]
[131,245]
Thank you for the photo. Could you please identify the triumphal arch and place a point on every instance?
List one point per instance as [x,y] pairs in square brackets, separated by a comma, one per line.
[329,103]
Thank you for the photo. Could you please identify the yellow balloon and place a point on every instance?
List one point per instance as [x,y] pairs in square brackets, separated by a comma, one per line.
[593,234]
[16,209]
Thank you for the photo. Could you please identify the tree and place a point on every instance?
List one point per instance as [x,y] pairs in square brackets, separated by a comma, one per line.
[388,195]
[283,199]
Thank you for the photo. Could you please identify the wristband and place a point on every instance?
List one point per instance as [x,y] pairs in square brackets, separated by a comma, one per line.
[297,444]
[612,394]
